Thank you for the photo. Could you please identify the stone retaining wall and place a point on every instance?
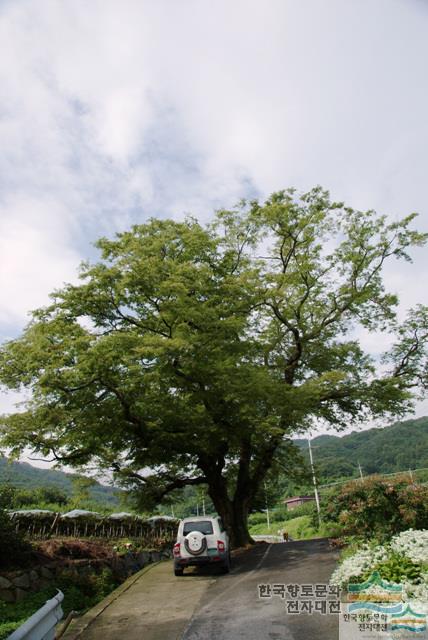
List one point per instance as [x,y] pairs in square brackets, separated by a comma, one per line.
[16,585]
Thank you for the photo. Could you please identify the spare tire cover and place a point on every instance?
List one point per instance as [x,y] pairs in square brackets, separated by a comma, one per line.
[195,543]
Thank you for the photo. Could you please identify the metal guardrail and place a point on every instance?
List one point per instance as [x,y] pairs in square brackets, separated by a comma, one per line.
[41,625]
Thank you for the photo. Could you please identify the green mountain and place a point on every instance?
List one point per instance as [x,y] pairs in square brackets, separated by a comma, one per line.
[22,474]
[398,447]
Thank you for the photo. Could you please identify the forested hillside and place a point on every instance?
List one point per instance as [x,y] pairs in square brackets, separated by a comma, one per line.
[22,474]
[401,446]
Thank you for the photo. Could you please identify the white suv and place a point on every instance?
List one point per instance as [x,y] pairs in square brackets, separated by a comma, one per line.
[200,541]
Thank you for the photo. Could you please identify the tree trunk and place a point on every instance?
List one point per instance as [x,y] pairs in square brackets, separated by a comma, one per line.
[240,534]
[234,515]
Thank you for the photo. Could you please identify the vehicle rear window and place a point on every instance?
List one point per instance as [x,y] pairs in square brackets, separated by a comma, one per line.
[204,526]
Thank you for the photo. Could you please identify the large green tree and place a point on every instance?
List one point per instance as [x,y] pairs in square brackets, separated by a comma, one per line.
[189,354]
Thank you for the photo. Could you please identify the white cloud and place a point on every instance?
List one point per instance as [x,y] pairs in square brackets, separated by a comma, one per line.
[13,400]
[111,112]
[35,254]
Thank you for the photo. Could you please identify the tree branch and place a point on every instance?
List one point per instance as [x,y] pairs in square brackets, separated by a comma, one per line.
[153,484]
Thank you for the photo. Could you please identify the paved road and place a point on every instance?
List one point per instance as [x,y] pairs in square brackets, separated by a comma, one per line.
[230,609]
[203,605]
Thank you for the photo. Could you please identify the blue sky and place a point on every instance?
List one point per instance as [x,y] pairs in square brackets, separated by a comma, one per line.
[112,112]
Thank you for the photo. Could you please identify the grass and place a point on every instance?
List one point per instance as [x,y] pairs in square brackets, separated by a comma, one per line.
[80,593]
[13,615]
[298,528]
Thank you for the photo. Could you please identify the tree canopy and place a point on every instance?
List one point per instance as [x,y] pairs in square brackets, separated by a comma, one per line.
[190,354]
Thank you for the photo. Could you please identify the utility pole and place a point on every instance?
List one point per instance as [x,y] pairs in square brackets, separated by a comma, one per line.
[314,479]
[203,504]
[267,507]
[361,471]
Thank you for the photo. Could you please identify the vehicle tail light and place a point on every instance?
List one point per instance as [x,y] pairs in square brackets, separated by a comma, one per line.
[176,550]
[220,546]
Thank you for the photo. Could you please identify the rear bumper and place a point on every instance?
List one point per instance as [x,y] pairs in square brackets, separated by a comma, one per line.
[200,560]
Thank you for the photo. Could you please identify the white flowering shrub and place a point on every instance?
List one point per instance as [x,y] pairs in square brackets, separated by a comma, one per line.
[403,560]
[358,565]
[413,544]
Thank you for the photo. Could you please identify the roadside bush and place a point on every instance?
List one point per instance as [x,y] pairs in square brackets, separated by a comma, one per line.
[398,568]
[378,507]
[414,507]
[80,593]
[256,518]
[14,550]
[306,509]
[402,560]
[7,496]
[281,514]
[329,530]
[13,615]
[298,528]
[304,530]
[278,515]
